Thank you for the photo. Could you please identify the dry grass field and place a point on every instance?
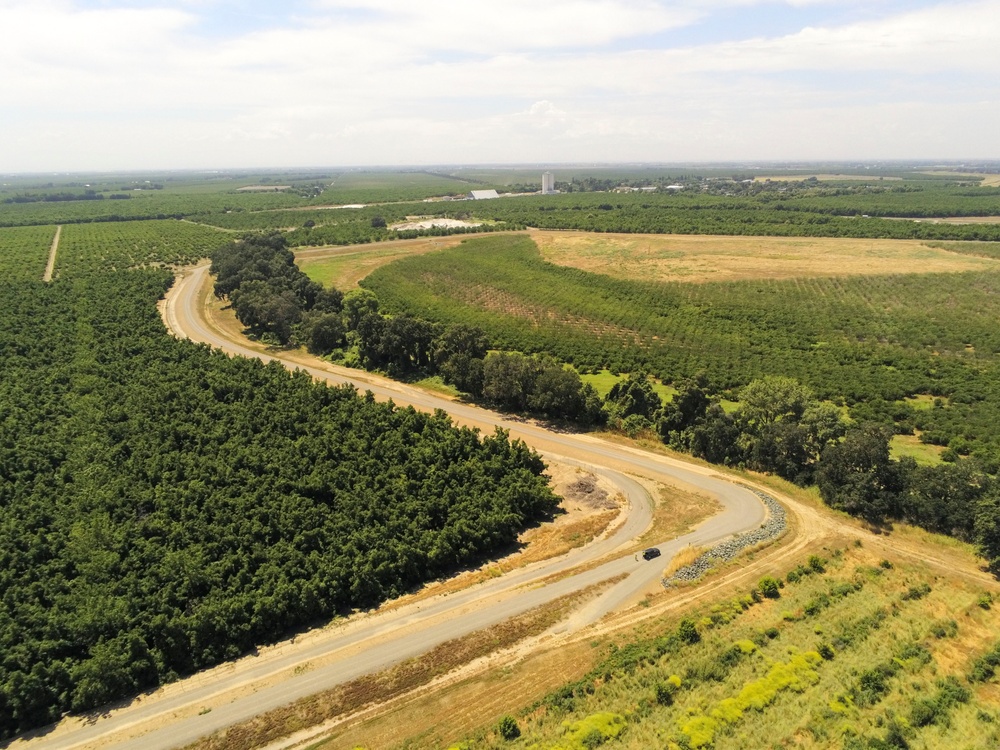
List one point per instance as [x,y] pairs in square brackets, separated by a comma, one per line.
[690,258]
[988,180]
[697,258]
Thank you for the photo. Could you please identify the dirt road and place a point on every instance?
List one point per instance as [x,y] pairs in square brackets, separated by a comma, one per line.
[50,267]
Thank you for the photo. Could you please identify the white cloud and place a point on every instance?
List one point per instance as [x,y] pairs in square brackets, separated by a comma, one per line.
[960,36]
[449,81]
[489,28]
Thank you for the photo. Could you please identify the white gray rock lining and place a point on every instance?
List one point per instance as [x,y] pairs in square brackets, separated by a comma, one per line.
[772,528]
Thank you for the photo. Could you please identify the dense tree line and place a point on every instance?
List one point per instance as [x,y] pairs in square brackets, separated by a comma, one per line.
[268,292]
[164,507]
[145,205]
[781,428]
[653,214]
[960,498]
[791,215]
[87,195]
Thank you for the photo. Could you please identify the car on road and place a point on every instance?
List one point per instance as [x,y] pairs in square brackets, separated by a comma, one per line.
[650,553]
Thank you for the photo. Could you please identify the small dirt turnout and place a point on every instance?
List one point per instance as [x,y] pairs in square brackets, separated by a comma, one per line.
[51,265]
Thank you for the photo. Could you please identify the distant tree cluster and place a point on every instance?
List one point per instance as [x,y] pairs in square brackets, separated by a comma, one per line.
[59,197]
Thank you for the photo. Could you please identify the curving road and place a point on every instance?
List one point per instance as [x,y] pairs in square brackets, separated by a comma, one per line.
[368,644]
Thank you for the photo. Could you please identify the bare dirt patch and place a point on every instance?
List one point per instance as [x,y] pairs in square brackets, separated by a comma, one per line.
[956,219]
[699,258]
[417,222]
[51,265]
[263,188]
[586,490]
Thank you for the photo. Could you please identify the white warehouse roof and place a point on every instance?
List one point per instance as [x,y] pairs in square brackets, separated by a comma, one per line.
[481,195]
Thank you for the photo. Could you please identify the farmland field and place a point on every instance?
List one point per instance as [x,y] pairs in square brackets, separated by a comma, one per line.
[821,177]
[863,338]
[697,258]
[988,180]
[128,451]
[136,243]
[386,185]
[961,220]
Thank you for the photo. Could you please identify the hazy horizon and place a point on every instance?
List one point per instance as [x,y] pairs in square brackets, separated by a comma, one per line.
[758,165]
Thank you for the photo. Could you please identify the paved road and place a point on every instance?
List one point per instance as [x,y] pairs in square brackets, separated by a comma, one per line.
[368,644]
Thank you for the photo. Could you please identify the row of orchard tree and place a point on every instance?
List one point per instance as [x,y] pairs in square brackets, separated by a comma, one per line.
[867,342]
[164,507]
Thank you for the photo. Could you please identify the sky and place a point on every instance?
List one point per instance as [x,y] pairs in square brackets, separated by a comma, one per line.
[220,84]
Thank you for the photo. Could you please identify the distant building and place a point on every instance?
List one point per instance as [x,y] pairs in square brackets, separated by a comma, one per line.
[482,195]
[548,183]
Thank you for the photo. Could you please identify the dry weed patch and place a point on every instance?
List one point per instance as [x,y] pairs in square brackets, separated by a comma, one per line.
[694,258]
[683,558]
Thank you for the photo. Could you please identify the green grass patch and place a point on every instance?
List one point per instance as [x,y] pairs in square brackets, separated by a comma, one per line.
[437,385]
[924,401]
[604,380]
[910,446]
[345,269]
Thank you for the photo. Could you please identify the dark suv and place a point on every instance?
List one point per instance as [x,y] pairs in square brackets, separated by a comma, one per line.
[650,553]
